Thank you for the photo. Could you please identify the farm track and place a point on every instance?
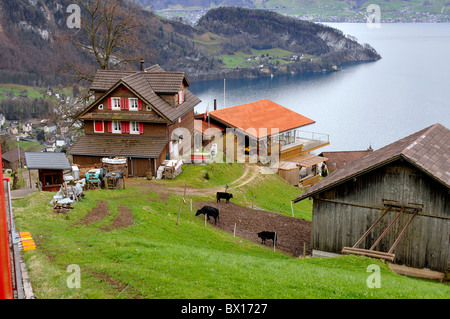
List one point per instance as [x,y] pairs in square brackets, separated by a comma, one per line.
[250,174]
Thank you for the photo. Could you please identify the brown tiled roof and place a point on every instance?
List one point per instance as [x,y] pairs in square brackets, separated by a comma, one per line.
[166,82]
[340,159]
[427,149]
[130,146]
[139,83]
[105,79]
[13,155]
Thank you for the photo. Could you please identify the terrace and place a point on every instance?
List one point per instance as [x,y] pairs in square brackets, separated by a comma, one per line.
[308,141]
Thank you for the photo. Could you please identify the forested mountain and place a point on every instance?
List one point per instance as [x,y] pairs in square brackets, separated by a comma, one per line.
[31,54]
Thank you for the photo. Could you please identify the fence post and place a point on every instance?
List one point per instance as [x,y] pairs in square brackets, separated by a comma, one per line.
[179,212]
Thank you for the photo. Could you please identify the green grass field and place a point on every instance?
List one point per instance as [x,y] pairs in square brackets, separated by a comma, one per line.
[157,258]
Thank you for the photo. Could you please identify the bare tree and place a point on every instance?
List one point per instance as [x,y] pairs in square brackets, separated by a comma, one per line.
[108,36]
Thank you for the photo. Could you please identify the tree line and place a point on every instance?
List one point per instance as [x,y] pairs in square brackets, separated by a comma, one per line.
[24,109]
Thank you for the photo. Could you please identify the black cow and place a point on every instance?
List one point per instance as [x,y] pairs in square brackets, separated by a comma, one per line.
[267,235]
[209,211]
[224,195]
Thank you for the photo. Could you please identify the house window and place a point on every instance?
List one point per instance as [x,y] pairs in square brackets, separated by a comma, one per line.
[116,128]
[100,107]
[98,127]
[133,104]
[115,103]
[134,128]
[149,107]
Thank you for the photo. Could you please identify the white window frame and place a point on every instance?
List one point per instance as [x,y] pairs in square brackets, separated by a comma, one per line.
[133,104]
[149,107]
[115,103]
[116,127]
[100,107]
[134,128]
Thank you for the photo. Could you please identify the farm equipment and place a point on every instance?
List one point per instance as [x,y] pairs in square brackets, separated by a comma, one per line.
[95,178]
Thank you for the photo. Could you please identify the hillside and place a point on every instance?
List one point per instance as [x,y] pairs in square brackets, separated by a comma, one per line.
[152,246]
[226,42]
[301,46]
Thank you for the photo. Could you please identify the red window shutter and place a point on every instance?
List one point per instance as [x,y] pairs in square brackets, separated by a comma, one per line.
[141,128]
[109,103]
[127,104]
[98,126]
[139,104]
[122,104]
[128,127]
[110,127]
[123,127]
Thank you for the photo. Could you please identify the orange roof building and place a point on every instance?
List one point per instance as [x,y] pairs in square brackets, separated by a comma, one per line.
[263,114]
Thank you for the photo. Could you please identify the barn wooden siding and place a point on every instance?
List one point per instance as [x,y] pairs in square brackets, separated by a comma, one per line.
[342,214]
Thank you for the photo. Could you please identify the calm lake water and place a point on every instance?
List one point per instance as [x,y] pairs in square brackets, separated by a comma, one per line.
[365,104]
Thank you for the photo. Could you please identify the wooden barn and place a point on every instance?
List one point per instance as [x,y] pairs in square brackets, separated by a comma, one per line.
[392,204]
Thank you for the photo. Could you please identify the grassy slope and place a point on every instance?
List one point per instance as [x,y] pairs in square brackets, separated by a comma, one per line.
[160,259]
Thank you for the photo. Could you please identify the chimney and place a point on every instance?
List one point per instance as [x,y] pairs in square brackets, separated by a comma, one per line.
[142,65]
[215,104]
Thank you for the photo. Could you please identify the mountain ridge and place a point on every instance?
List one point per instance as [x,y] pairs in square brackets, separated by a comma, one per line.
[31,55]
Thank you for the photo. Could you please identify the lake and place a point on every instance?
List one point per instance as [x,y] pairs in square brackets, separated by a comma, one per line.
[365,104]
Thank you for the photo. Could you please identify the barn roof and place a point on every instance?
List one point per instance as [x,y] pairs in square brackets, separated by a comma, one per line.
[260,114]
[338,159]
[47,160]
[427,149]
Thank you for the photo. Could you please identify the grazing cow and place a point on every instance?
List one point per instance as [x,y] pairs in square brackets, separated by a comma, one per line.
[267,235]
[221,195]
[209,211]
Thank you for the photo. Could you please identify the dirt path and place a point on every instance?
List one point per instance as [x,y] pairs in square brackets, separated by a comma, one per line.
[250,173]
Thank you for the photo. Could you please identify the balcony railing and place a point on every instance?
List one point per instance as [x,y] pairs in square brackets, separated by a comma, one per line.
[309,140]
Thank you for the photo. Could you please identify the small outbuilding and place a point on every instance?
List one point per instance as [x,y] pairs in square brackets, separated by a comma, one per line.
[392,204]
[50,166]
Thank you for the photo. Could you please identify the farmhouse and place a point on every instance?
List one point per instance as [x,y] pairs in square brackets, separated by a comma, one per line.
[391,204]
[136,115]
[263,124]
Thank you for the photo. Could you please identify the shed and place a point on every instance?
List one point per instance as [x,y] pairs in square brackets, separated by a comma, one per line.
[392,204]
[289,171]
[50,167]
